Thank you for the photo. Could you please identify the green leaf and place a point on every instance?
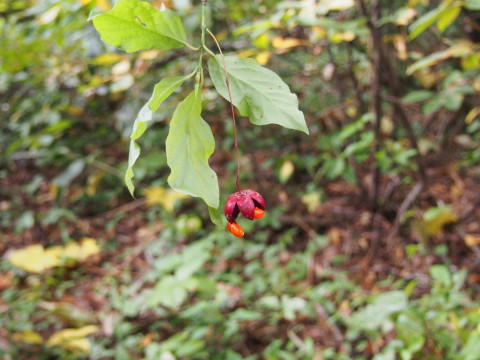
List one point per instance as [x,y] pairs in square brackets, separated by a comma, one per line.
[136,25]
[472,4]
[257,92]
[417,96]
[215,216]
[169,292]
[424,22]
[471,350]
[374,315]
[448,17]
[161,91]
[189,145]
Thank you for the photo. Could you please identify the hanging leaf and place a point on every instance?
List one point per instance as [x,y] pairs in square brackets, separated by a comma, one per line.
[257,92]
[136,25]
[190,143]
[161,92]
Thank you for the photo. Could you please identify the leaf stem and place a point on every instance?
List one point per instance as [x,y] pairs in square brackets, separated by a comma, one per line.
[227,82]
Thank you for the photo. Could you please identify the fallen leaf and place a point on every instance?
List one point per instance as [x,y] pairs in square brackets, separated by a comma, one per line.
[311,200]
[286,171]
[434,219]
[279,42]
[472,240]
[263,57]
[164,197]
[73,340]
[36,259]
[27,336]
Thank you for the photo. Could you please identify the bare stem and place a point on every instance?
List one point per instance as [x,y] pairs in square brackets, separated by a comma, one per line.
[227,82]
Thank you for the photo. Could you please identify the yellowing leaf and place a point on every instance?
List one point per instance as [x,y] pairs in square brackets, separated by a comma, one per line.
[81,251]
[121,68]
[335,5]
[36,259]
[73,339]
[74,110]
[285,43]
[106,59]
[101,4]
[50,15]
[401,46]
[339,37]
[247,53]
[405,16]
[263,58]
[311,200]
[149,54]
[262,41]
[33,258]
[68,313]
[286,171]
[472,240]
[164,197]
[472,114]
[436,218]
[319,32]
[93,181]
[27,336]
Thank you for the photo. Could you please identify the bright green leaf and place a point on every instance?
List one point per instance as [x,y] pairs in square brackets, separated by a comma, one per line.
[189,145]
[136,25]
[448,17]
[257,92]
[424,22]
[161,91]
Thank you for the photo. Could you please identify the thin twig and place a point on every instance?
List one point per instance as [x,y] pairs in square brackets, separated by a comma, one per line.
[121,209]
[407,202]
[376,95]
[227,82]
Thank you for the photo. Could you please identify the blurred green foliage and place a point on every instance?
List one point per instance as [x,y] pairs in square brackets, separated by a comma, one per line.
[167,285]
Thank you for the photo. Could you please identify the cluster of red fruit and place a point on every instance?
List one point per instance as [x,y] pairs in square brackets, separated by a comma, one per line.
[248,202]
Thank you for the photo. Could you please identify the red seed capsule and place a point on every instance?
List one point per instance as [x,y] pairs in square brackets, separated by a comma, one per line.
[235,229]
[244,202]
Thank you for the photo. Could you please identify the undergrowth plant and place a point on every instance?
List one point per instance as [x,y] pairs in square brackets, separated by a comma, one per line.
[255,91]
